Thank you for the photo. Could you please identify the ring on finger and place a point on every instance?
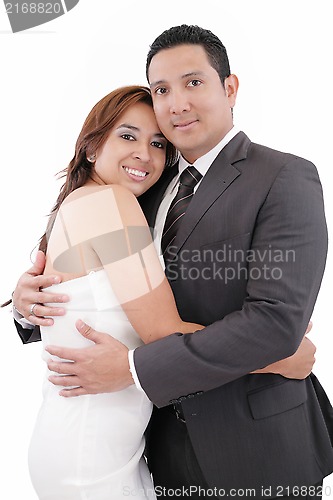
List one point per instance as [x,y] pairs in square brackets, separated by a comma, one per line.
[32,309]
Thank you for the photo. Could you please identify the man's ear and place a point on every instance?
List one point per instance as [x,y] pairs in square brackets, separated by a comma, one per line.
[231,85]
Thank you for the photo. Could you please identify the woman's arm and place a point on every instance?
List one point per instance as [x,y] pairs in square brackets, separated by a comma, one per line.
[114,234]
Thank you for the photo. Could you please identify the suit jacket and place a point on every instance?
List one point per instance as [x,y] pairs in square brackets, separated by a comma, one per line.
[248,264]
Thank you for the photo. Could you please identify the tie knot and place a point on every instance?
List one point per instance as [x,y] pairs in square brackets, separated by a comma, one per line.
[190,177]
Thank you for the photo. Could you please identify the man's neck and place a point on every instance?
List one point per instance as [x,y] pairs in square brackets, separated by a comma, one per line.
[214,151]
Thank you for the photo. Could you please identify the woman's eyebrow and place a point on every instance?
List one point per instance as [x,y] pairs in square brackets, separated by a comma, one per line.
[132,127]
[126,125]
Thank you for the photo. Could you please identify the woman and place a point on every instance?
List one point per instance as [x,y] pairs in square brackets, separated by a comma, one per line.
[98,240]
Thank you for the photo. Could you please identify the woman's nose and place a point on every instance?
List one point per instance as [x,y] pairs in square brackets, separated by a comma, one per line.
[142,152]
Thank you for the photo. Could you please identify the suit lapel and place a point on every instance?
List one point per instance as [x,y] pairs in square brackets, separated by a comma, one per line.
[217,180]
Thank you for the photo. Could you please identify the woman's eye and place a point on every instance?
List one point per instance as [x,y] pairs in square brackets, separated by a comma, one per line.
[128,137]
[158,144]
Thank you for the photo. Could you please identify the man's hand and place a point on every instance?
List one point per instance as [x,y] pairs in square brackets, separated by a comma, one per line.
[297,366]
[103,367]
[27,293]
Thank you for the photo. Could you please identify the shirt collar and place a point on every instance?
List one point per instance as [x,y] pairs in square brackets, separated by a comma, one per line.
[203,163]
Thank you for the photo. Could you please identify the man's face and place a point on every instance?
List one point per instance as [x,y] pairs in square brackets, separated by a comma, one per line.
[192,107]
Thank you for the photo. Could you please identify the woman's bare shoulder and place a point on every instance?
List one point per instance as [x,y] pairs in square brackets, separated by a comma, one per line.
[95,200]
[114,190]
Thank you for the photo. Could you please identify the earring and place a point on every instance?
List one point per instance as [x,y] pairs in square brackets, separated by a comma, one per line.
[91,158]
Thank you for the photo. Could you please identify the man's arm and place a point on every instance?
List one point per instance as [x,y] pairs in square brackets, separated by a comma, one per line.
[105,366]
[272,321]
[297,366]
[27,292]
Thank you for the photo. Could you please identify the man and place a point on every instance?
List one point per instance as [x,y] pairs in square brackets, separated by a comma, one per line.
[247,261]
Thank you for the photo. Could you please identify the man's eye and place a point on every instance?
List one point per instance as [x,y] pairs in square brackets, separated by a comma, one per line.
[194,83]
[128,137]
[161,91]
[158,144]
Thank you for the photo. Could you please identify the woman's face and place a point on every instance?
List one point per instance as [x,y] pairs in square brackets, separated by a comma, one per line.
[134,153]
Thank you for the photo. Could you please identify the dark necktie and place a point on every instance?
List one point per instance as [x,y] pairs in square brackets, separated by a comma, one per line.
[187,182]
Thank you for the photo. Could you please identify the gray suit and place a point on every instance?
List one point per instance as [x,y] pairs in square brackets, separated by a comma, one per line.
[248,263]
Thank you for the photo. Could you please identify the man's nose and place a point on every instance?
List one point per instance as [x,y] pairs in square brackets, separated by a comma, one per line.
[179,102]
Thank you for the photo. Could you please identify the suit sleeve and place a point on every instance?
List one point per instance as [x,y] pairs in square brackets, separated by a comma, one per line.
[277,308]
[28,335]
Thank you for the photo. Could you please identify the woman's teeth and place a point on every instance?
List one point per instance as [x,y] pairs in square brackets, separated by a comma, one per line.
[133,171]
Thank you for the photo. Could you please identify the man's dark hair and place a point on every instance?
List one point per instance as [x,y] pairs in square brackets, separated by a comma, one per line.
[193,35]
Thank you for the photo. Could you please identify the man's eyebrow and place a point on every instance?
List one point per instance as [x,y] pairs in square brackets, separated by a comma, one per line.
[186,75]
[158,82]
[193,73]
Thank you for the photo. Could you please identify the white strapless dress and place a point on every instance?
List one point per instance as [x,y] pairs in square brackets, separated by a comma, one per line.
[90,447]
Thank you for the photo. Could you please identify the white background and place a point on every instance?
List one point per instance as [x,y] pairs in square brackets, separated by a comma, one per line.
[52,75]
